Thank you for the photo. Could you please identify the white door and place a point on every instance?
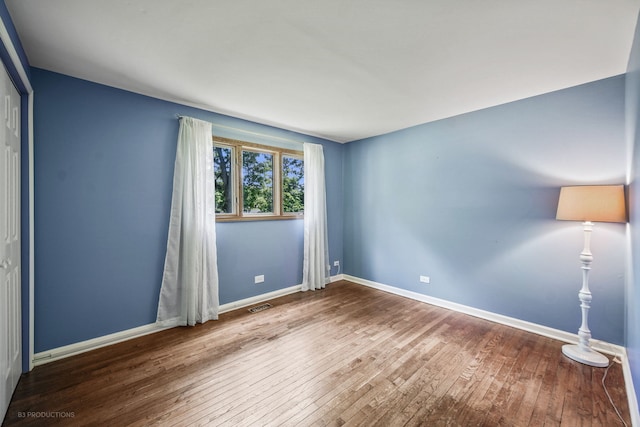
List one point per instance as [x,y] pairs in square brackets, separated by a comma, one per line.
[10,326]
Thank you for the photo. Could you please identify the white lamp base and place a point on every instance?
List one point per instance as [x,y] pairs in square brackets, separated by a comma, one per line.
[587,356]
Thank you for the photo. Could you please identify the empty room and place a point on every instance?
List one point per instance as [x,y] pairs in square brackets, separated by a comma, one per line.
[325,213]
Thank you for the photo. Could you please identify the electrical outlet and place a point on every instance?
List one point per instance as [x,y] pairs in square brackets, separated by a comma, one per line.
[259,279]
[336,263]
[425,279]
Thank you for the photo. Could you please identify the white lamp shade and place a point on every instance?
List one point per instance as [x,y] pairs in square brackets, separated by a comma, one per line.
[601,203]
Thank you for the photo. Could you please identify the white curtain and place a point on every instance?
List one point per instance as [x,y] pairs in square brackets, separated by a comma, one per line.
[315,274]
[189,292]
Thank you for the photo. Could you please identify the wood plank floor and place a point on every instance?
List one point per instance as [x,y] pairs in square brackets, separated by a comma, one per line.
[346,355]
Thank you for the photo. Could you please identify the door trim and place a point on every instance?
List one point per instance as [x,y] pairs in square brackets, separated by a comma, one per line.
[25,88]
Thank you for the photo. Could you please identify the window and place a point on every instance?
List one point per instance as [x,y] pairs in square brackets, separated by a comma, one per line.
[257,182]
[222,160]
[292,185]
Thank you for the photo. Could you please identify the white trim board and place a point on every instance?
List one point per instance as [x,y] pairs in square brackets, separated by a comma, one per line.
[612,349]
[336,278]
[5,38]
[103,341]
[81,347]
[601,346]
[631,392]
[598,345]
[92,344]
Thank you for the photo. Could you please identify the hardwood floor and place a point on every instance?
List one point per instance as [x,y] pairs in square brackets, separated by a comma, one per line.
[346,355]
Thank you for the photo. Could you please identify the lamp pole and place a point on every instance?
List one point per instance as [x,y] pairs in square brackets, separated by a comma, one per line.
[582,352]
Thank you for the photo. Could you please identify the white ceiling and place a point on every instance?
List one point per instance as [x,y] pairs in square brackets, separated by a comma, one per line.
[338,69]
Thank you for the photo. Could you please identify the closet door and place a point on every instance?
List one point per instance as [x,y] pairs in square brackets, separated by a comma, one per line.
[10,277]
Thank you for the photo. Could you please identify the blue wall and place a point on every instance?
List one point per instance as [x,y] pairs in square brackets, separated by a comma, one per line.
[470,201]
[103,175]
[633,282]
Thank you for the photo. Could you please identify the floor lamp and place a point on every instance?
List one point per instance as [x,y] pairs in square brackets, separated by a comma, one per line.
[600,203]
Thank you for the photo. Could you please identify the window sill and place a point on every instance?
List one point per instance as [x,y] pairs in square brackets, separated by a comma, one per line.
[257,218]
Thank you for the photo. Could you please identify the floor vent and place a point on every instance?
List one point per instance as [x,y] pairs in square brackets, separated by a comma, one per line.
[260,307]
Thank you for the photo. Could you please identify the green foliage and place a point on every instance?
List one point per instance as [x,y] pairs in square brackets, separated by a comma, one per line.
[257,182]
[292,185]
[222,169]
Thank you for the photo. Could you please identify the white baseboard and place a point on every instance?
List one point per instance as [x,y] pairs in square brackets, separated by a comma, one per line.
[604,347]
[258,299]
[631,392]
[601,346]
[568,337]
[92,344]
[336,278]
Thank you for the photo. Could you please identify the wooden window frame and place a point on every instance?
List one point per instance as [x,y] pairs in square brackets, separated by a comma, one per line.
[237,148]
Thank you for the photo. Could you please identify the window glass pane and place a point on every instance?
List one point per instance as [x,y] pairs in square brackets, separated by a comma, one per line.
[222,160]
[257,182]
[292,185]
